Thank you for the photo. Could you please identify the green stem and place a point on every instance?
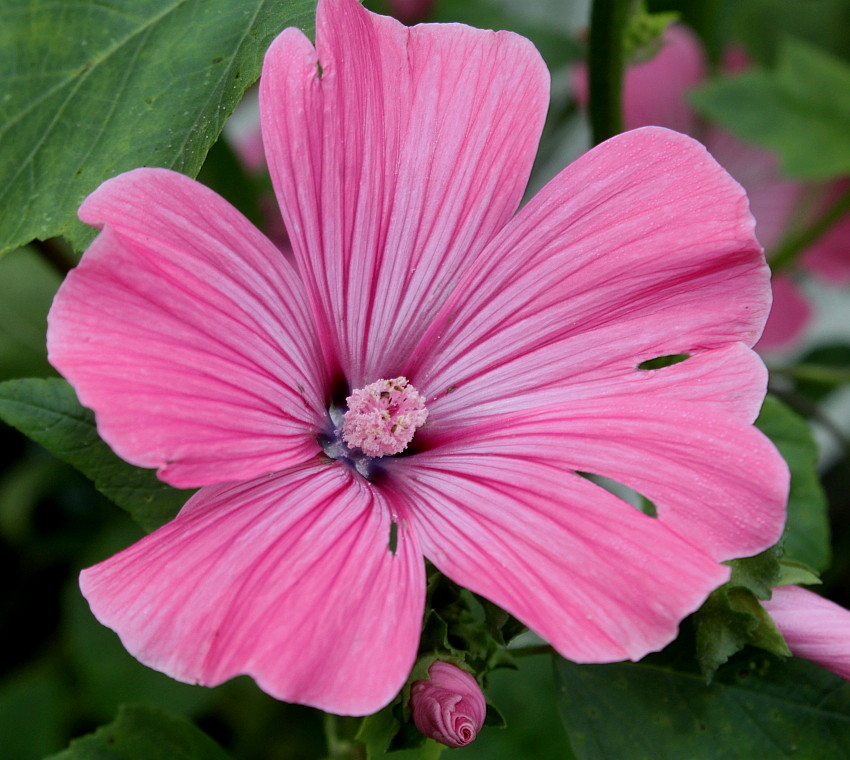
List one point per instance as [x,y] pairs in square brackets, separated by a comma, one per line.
[817,373]
[531,650]
[807,408]
[605,63]
[339,734]
[786,254]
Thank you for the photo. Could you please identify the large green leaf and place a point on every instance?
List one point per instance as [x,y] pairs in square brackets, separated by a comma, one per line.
[807,533]
[92,89]
[144,733]
[660,709]
[47,411]
[800,110]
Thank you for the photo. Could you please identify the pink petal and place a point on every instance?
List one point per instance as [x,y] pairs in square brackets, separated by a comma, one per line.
[715,480]
[654,90]
[829,256]
[641,248]
[788,318]
[288,578]
[732,379]
[184,329]
[813,627]
[593,576]
[396,155]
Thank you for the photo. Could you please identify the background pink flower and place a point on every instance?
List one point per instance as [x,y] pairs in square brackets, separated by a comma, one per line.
[399,157]
[655,93]
[814,628]
[410,11]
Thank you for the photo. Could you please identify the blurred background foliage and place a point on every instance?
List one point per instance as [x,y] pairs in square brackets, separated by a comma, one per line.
[62,675]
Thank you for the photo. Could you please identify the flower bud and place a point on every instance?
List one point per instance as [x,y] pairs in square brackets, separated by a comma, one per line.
[450,707]
[813,627]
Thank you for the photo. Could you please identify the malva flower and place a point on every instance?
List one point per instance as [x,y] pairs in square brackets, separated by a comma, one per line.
[449,706]
[655,92]
[500,351]
[813,627]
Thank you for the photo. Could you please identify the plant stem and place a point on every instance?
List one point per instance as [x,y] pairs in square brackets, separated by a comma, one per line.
[605,63]
[817,373]
[531,650]
[786,254]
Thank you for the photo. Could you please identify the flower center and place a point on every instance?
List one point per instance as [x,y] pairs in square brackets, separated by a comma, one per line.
[382,417]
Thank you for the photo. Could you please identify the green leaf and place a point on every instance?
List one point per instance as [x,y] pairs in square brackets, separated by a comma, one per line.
[144,733]
[800,110]
[661,709]
[92,89]
[47,411]
[807,536]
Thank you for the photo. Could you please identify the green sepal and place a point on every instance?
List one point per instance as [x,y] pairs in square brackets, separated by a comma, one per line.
[757,574]
[643,36]
[793,573]
[733,617]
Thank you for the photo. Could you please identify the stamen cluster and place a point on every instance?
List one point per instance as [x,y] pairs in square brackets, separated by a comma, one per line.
[382,417]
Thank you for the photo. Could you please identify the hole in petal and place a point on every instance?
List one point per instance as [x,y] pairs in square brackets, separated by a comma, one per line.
[624,492]
[660,362]
[393,544]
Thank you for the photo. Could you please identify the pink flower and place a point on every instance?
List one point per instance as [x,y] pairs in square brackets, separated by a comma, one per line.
[399,160]
[410,11]
[655,93]
[813,627]
[449,707]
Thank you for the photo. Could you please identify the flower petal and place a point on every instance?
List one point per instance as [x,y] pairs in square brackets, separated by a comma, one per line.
[596,578]
[643,247]
[288,578]
[184,329]
[813,627]
[396,155]
[714,480]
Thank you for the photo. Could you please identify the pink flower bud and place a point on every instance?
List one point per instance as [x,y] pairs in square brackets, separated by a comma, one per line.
[450,707]
[813,627]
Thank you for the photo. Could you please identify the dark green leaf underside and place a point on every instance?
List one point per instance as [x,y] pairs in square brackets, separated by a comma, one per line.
[47,411]
[144,733]
[757,707]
